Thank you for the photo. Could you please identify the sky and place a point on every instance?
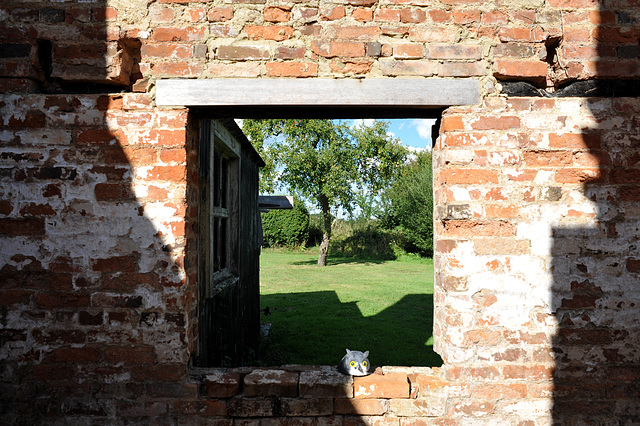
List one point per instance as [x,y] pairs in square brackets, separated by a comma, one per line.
[414,133]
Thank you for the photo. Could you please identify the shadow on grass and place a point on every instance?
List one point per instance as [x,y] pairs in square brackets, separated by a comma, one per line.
[316,328]
[344,261]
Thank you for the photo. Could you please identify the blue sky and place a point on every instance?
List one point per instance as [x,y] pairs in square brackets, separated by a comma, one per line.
[414,133]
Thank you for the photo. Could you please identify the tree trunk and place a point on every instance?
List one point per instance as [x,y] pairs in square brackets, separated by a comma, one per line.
[326,234]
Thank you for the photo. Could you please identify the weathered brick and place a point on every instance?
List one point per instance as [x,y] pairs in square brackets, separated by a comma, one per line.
[163,14]
[241,69]
[367,407]
[387,15]
[292,69]
[223,31]
[473,409]
[31,118]
[357,33]
[461,69]
[433,34]
[113,192]
[535,372]
[22,227]
[407,68]
[251,407]
[423,407]
[180,69]
[277,13]
[276,33]
[59,337]
[75,355]
[413,16]
[408,51]
[220,14]
[469,176]
[574,175]
[439,15]
[178,34]
[517,50]
[333,14]
[129,355]
[222,384]
[351,67]
[206,408]
[468,16]
[509,34]
[271,382]
[346,49]
[196,15]
[87,318]
[468,228]
[454,52]
[390,385]
[504,122]
[306,406]
[325,384]
[362,14]
[494,17]
[286,53]
[243,53]
[167,50]
[526,69]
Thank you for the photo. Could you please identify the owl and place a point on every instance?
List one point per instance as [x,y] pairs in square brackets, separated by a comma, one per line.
[354,363]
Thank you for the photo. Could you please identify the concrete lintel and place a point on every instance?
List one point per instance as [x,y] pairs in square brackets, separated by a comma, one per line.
[422,93]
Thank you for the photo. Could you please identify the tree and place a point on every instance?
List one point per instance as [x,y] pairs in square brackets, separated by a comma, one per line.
[325,161]
[410,205]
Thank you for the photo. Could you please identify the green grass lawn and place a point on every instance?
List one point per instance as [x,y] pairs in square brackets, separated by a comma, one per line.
[385,307]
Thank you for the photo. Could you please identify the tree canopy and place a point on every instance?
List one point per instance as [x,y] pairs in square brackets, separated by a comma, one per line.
[409,205]
[327,162]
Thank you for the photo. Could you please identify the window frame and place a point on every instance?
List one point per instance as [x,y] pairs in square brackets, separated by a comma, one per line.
[218,177]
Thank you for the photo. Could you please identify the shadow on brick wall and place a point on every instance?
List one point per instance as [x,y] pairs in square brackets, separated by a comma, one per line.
[596,267]
[92,296]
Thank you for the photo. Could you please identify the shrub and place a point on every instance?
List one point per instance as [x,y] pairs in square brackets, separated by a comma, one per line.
[362,239]
[288,228]
[410,206]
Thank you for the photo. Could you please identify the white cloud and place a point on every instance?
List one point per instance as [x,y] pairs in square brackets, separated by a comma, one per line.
[423,127]
[366,122]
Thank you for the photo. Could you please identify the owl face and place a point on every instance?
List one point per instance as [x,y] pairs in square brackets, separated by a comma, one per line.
[355,363]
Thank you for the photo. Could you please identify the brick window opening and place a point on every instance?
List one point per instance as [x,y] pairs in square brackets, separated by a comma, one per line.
[299,98]
[275,305]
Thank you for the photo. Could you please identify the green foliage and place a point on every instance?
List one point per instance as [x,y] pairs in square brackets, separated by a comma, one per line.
[312,157]
[325,161]
[362,238]
[288,228]
[410,206]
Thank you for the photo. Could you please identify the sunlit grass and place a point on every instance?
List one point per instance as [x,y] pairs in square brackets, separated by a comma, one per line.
[385,307]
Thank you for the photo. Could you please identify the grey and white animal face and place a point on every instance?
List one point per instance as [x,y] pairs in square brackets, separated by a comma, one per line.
[354,363]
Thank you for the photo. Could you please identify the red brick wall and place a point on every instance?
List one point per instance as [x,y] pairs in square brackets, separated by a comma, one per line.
[95,295]
[536,211]
[536,204]
[548,43]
